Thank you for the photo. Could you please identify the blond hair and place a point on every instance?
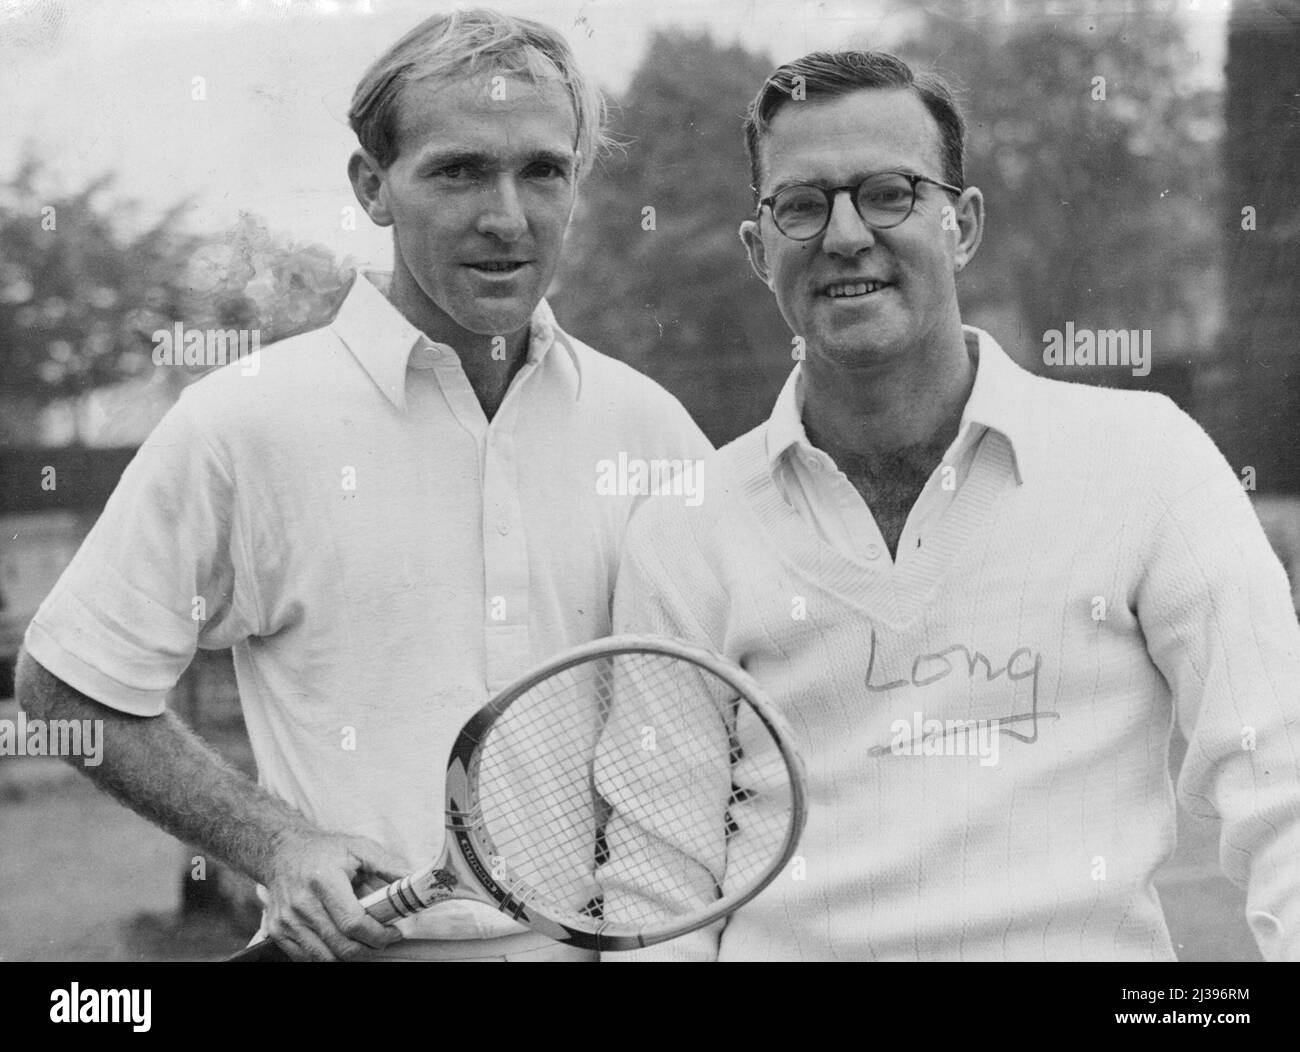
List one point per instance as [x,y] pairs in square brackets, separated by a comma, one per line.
[451,45]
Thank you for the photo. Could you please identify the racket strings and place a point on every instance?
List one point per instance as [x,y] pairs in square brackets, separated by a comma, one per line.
[631,791]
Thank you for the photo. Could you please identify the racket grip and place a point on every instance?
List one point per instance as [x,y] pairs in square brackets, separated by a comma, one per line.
[409,895]
[399,899]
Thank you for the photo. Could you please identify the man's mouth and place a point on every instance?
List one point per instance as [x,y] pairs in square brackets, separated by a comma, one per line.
[498,266]
[854,288]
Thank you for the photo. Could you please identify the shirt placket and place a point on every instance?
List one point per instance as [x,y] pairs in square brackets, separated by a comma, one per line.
[855,524]
[507,645]
[505,557]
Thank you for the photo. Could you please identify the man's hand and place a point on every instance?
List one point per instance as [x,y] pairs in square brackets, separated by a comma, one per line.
[312,912]
[157,766]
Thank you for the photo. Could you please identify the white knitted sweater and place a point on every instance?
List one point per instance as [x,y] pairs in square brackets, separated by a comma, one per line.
[1119,582]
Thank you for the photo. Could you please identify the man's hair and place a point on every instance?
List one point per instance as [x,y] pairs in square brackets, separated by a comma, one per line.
[462,43]
[828,75]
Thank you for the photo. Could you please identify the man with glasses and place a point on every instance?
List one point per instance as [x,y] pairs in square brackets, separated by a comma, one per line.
[982,598]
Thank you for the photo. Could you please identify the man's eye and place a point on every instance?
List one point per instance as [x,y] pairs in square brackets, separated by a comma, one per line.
[800,203]
[455,171]
[888,196]
[544,170]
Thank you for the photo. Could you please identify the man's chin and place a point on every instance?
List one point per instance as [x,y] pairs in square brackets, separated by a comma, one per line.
[497,317]
[856,347]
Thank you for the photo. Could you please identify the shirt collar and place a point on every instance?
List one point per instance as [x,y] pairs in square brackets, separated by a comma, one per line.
[785,428]
[999,400]
[387,344]
[1003,401]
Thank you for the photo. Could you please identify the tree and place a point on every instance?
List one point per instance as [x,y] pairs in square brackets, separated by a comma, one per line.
[83,284]
[1251,400]
[254,278]
[1097,156]
[655,273]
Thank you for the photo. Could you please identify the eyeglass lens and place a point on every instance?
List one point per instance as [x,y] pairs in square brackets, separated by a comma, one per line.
[803,211]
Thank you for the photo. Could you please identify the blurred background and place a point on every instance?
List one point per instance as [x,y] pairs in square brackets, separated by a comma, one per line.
[184,162]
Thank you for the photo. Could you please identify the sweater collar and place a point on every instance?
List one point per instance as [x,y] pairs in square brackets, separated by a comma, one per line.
[386,344]
[1000,400]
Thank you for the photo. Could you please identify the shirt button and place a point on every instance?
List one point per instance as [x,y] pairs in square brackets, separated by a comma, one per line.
[873,551]
[503,528]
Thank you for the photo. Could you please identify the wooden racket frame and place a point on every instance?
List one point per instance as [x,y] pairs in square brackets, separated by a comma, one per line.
[464,870]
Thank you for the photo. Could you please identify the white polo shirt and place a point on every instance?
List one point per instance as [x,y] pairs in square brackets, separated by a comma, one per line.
[380,557]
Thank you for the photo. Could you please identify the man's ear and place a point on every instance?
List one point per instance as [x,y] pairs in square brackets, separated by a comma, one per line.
[970,225]
[752,238]
[367,179]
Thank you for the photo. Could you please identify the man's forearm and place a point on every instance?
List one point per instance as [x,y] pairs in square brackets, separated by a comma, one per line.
[161,769]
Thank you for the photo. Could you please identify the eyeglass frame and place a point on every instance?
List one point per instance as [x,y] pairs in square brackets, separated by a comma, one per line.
[832,192]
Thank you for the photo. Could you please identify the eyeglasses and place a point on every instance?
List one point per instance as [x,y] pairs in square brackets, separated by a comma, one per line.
[883,200]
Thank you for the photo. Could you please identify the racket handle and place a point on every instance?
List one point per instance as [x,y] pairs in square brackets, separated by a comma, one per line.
[400,899]
[411,894]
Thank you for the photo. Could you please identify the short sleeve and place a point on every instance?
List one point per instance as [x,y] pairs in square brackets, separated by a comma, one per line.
[157,577]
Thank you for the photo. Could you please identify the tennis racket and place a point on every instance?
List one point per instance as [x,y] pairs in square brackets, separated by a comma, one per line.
[624,793]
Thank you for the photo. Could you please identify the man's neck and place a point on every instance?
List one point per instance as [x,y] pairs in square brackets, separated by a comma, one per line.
[491,377]
[887,427]
[489,366]
[874,413]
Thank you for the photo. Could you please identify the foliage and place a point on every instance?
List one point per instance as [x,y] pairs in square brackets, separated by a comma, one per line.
[679,301]
[254,278]
[79,294]
[1097,156]
[84,286]
[1251,399]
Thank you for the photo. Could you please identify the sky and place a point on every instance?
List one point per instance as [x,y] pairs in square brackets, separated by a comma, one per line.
[108,85]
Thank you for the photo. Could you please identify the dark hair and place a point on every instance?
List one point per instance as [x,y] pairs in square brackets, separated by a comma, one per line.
[827,75]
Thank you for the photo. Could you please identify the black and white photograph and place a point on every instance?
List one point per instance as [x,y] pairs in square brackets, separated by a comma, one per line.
[599,482]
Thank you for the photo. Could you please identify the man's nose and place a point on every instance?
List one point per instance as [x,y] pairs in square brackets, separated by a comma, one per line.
[502,212]
[846,233]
